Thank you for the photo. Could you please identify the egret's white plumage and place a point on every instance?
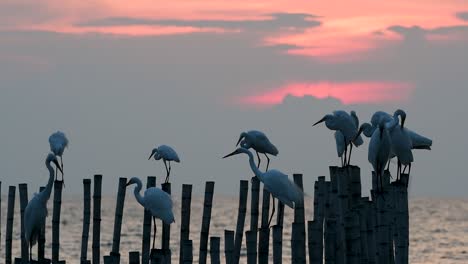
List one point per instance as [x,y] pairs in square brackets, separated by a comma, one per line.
[276,182]
[58,142]
[167,154]
[259,142]
[340,145]
[348,126]
[155,200]
[400,140]
[35,212]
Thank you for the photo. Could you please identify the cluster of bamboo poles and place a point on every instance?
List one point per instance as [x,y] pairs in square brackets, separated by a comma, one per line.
[346,227]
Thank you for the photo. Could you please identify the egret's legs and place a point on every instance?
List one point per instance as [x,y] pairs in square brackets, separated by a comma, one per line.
[154,230]
[342,161]
[272,211]
[167,171]
[258,157]
[350,150]
[268,161]
[30,251]
[345,155]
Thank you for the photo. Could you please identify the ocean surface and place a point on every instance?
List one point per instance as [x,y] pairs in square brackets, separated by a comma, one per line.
[438,228]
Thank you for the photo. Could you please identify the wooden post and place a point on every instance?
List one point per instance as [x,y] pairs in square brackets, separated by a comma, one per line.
[228,245]
[315,244]
[330,241]
[353,235]
[97,218]
[41,240]
[264,232]
[9,227]
[56,221]
[86,219]
[107,260]
[0,213]
[205,229]
[157,256]
[251,247]
[254,212]
[277,244]
[362,210]
[166,230]
[214,250]
[133,257]
[185,218]
[146,236]
[115,253]
[402,221]
[188,252]
[339,181]
[371,232]
[320,203]
[243,192]
[23,192]
[298,251]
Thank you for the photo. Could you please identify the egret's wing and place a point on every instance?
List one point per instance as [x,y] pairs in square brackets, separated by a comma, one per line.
[340,143]
[168,153]
[418,141]
[263,144]
[156,200]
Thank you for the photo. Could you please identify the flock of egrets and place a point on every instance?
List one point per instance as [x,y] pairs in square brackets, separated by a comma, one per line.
[389,138]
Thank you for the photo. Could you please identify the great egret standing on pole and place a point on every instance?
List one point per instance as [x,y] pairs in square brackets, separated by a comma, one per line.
[276,182]
[157,201]
[259,142]
[36,211]
[58,142]
[348,126]
[167,154]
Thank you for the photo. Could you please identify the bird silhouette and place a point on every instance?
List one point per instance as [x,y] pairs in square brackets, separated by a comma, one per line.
[156,201]
[167,154]
[258,141]
[276,182]
[58,142]
[35,212]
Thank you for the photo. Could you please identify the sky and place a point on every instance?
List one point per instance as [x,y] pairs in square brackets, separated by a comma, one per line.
[121,79]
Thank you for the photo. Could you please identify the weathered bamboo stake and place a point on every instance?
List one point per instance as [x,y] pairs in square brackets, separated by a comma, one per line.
[329,229]
[228,245]
[277,244]
[363,229]
[205,229]
[297,253]
[97,219]
[251,247]
[157,256]
[86,219]
[254,212]
[339,180]
[354,186]
[379,196]
[166,230]
[264,232]
[243,192]
[56,221]
[315,241]
[9,227]
[402,221]
[353,234]
[371,231]
[115,253]
[0,214]
[320,200]
[330,240]
[23,192]
[299,249]
[214,250]
[133,257]
[146,236]
[185,217]
[188,252]
[107,260]
[41,240]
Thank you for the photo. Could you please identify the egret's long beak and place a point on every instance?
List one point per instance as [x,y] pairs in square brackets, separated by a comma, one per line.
[58,166]
[238,141]
[232,154]
[151,156]
[320,121]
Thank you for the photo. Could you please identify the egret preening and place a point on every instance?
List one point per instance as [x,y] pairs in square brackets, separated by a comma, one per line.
[348,126]
[276,182]
[158,202]
[58,142]
[259,142]
[36,211]
[167,154]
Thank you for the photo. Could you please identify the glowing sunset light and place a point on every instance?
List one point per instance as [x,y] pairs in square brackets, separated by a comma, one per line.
[347,93]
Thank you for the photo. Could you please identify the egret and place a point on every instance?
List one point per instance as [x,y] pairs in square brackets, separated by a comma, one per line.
[276,182]
[156,201]
[379,149]
[348,126]
[36,211]
[58,142]
[259,142]
[167,154]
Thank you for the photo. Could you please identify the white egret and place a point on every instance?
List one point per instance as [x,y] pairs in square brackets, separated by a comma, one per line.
[36,211]
[158,202]
[167,154]
[348,125]
[276,182]
[58,142]
[259,142]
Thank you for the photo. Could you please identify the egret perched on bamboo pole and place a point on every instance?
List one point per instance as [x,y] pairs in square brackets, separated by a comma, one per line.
[258,141]
[58,142]
[167,154]
[276,182]
[35,212]
[156,201]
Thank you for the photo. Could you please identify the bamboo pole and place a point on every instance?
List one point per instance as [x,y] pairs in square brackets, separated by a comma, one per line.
[339,181]
[228,245]
[9,227]
[251,247]
[264,232]
[0,214]
[96,219]
[371,232]
[146,236]
[315,241]
[41,239]
[277,244]
[133,257]
[23,192]
[402,221]
[205,228]
[188,252]
[115,253]
[185,216]
[299,249]
[214,250]
[320,203]
[157,256]
[330,241]
[86,219]
[363,229]
[166,231]
[243,192]
[254,213]
[353,236]
[56,221]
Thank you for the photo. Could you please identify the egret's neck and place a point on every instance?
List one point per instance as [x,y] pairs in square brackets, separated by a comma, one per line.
[393,123]
[254,167]
[138,196]
[45,194]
